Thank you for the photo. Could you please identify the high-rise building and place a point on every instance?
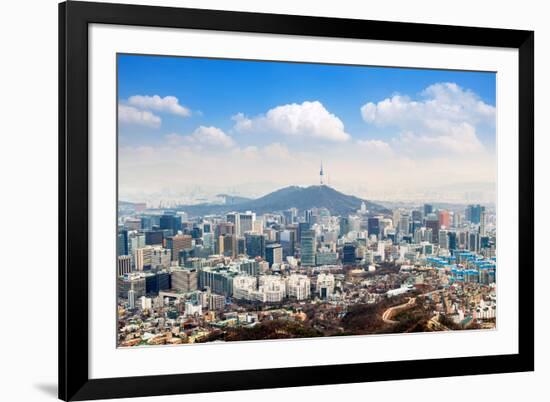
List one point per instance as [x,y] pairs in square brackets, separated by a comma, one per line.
[428,209]
[161,257]
[444,219]
[143,258]
[432,222]
[404,224]
[274,253]
[287,240]
[170,222]
[154,237]
[178,243]
[308,247]
[348,254]
[255,245]
[473,213]
[344,226]
[373,226]
[122,242]
[124,265]
[184,279]
[227,245]
[452,241]
[443,237]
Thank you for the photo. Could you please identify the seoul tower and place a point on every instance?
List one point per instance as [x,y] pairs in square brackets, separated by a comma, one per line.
[321,174]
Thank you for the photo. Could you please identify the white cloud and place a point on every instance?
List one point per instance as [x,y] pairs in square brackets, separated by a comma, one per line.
[376,147]
[203,136]
[445,120]
[168,104]
[442,103]
[309,119]
[132,116]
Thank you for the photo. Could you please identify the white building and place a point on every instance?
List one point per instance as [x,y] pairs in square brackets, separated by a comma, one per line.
[298,286]
[192,309]
[244,286]
[325,285]
[161,257]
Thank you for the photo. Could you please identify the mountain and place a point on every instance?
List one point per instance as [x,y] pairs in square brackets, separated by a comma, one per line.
[291,197]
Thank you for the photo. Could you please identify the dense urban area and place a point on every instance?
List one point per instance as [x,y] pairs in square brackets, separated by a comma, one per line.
[184,277]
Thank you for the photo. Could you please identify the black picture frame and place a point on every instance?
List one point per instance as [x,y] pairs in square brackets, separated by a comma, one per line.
[74,18]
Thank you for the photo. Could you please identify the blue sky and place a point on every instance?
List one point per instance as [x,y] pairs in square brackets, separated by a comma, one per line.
[448,114]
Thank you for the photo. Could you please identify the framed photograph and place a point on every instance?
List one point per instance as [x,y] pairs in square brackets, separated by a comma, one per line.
[258,201]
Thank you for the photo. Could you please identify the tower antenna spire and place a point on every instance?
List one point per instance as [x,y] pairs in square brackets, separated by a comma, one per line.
[321,174]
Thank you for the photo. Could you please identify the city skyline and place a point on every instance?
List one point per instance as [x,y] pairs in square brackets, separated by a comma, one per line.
[248,128]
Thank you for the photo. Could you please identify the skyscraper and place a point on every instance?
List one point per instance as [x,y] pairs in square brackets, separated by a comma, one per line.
[274,253]
[432,222]
[170,222]
[444,219]
[178,243]
[348,252]
[373,226]
[428,209]
[308,247]
[255,245]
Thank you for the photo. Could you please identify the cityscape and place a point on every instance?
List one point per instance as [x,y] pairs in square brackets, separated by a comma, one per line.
[286,223]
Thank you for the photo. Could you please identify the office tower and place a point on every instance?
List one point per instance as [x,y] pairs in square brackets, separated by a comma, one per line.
[301,227]
[156,282]
[135,240]
[482,222]
[132,224]
[122,242]
[219,280]
[178,243]
[348,254]
[287,240]
[373,226]
[473,213]
[206,227]
[227,245]
[452,241]
[170,222]
[443,237]
[308,216]
[241,246]
[255,245]
[428,209]
[131,299]
[132,281]
[250,267]
[274,254]
[404,224]
[124,265]
[444,219]
[161,257]
[298,286]
[246,223]
[363,208]
[473,241]
[184,279]
[308,247]
[154,237]
[325,285]
[234,219]
[146,222]
[432,222]
[344,226]
[196,232]
[143,258]
[416,215]
[225,228]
